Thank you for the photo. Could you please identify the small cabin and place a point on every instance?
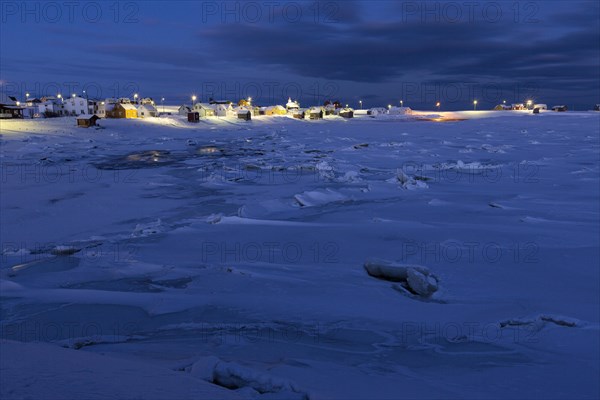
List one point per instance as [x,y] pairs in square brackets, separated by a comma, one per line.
[502,107]
[193,116]
[347,113]
[246,115]
[87,120]
[540,106]
[315,113]
[298,114]
[561,108]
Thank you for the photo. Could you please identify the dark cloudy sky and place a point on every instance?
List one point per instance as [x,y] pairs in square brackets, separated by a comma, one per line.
[379,52]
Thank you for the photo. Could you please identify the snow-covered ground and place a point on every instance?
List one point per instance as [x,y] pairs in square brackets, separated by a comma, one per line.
[225,259]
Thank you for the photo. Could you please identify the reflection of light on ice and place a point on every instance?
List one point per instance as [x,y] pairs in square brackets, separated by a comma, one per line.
[208,150]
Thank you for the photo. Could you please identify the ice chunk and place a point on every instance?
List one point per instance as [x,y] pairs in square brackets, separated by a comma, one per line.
[424,285]
[318,197]
[415,278]
[64,250]
[150,228]
[234,376]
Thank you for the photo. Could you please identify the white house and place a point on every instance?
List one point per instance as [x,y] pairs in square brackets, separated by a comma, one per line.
[292,105]
[76,106]
[377,111]
[204,109]
[399,110]
[147,100]
[224,110]
[183,110]
[541,106]
[51,105]
[106,106]
[147,110]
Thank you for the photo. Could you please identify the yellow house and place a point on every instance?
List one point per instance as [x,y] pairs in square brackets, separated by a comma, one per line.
[275,110]
[124,111]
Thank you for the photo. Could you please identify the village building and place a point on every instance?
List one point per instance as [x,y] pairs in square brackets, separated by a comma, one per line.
[377,111]
[146,110]
[51,107]
[315,113]
[204,110]
[212,101]
[75,106]
[329,109]
[275,110]
[298,113]
[224,110]
[346,112]
[87,120]
[10,108]
[292,105]
[147,100]
[193,116]
[560,108]
[244,113]
[183,110]
[105,107]
[122,110]
[399,111]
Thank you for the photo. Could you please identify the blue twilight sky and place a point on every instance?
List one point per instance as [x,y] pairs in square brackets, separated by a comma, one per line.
[377,52]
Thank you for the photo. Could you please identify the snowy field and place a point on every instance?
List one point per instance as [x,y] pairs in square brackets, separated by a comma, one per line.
[226,259]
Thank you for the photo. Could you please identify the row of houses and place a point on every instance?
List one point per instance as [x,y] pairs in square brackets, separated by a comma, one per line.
[57,106]
[534,107]
[245,110]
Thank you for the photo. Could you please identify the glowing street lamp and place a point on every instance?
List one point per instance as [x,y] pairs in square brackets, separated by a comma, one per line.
[401,103]
[27,96]
[503,101]
[249,101]
[360,102]
[73,95]
[529,103]
[60,97]
[389,106]
[162,102]
[474,104]
[193,100]
[438,105]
